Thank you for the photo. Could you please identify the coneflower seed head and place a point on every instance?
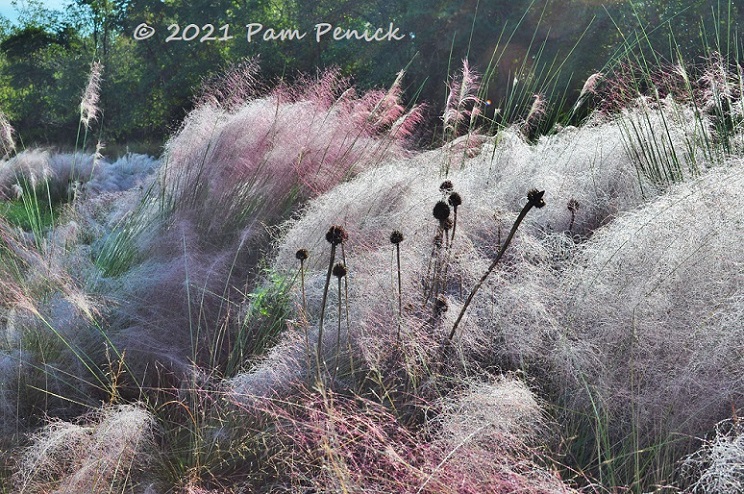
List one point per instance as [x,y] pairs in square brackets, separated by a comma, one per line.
[302,254]
[339,270]
[535,198]
[441,305]
[455,199]
[446,186]
[336,235]
[441,211]
[396,237]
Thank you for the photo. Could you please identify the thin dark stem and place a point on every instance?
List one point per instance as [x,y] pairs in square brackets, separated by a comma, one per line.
[302,285]
[570,225]
[475,289]
[338,334]
[323,306]
[400,293]
[454,225]
[346,295]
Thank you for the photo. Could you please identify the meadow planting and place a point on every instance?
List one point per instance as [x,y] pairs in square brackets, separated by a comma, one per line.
[293,298]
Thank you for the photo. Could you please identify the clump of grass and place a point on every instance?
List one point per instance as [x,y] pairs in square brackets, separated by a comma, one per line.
[106,450]
[717,466]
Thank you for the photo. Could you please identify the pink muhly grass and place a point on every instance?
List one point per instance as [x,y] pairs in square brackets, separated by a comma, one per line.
[335,443]
[233,88]
[301,142]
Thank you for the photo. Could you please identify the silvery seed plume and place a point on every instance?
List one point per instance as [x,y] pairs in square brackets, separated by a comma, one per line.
[462,99]
[6,136]
[89,104]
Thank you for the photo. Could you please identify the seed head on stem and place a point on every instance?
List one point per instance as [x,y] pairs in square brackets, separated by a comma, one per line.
[455,200]
[336,235]
[302,255]
[339,271]
[396,238]
[534,199]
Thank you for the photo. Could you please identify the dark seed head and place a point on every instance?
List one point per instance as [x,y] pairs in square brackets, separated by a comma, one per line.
[301,254]
[336,235]
[441,211]
[396,237]
[535,198]
[455,199]
[573,205]
[339,270]
[446,186]
[441,305]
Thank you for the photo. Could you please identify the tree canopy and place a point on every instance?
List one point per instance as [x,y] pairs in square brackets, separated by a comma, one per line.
[149,83]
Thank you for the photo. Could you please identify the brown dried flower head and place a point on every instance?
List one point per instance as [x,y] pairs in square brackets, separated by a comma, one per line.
[339,270]
[396,237]
[336,235]
[535,198]
[441,211]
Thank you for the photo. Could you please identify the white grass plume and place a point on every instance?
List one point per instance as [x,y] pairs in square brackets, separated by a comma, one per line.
[717,467]
[89,103]
[107,450]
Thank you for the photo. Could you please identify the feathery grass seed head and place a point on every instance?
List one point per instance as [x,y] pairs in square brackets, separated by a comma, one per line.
[89,103]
